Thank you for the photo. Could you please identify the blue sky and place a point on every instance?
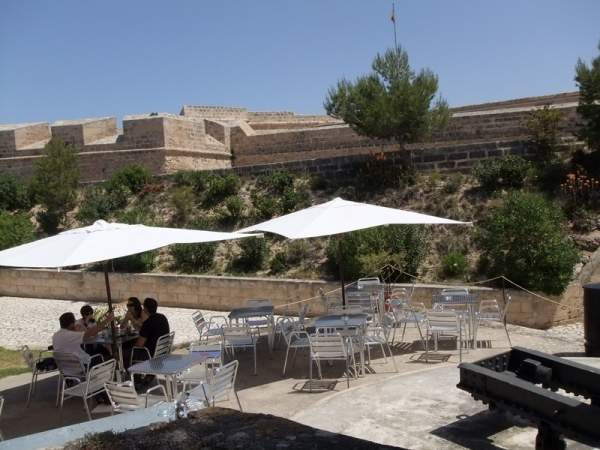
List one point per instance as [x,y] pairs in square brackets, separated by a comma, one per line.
[70,59]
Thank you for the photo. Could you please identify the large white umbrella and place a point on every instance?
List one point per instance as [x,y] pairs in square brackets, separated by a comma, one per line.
[103,241]
[341,216]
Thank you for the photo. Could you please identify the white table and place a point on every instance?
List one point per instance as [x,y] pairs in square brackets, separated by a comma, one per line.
[105,338]
[170,366]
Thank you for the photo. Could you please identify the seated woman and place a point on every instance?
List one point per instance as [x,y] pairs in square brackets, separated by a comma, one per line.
[134,314]
[87,318]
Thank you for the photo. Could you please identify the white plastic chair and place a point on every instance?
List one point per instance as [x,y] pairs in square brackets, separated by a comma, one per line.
[164,346]
[90,386]
[490,311]
[443,323]
[211,328]
[221,385]
[32,362]
[330,348]
[239,338]
[124,398]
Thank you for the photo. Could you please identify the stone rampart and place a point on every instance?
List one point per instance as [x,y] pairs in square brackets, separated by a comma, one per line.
[15,138]
[225,293]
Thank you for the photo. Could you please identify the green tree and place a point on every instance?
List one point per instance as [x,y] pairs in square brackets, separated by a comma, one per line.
[13,193]
[15,229]
[392,102]
[525,239]
[588,81]
[542,125]
[54,183]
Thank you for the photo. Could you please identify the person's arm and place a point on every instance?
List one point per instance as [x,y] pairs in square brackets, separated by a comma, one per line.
[93,331]
[141,341]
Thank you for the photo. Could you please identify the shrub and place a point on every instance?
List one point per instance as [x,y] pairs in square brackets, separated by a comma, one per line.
[183,200]
[193,257]
[542,125]
[525,239]
[293,199]
[453,183]
[220,187]
[54,183]
[505,173]
[233,211]
[13,193]
[265,206]
[276,182]
[454,264]
[198,180]
[15,229]
[582,220]
[405,245]
[380,171]
[138,263]
[99,204]
[252,256]
[278,263]
[138,215]
[133,177]
[297,251]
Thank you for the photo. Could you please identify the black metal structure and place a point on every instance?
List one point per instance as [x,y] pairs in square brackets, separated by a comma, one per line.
[525,383]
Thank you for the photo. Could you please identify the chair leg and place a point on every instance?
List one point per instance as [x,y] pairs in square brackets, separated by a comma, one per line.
[286,358]
[507,335]
[87,408]
[403,332]
[255,359]
[238,401]
[31,385]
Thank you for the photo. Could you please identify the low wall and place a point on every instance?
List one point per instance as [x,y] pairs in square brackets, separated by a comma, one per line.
[225,293]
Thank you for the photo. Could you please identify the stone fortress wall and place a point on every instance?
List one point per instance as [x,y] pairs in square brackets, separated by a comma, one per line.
[209,138]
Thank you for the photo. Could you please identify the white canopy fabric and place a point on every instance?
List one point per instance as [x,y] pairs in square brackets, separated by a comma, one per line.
[100,242]
[341,216]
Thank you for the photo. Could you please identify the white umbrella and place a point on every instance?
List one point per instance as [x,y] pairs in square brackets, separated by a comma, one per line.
[103,241]
[341,216]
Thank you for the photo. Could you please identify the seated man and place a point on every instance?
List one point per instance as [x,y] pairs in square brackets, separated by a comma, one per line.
[155,325]
[68,339]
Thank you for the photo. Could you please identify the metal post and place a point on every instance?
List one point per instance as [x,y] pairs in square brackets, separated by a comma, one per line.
[114,346]
[339,258]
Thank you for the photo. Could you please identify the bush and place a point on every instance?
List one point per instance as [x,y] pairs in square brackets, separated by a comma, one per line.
[542,125]
[183,200]
[265,206]
[506,173]
[454,264]
[13,193]
[253,254]
[15,229]
[276,182]
[293,199]
[99,204]
[198,180]
[525,239]
[297,251]
[380,171]
[133,177]
[453,183]
[405,246]
[193,257]
[278,263]
[54,183]
[583,221]
[138,263]
[220,187]
[233,211]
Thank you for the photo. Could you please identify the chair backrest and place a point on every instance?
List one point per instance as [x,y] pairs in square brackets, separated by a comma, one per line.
[69,364]
[223,380]
[370,281]
[443,320]
[233,335]
[123,396]
[199,322]
[209,347]
[98,376]
[259,302]
[164,344]
[28,357]
[455,291]
[302,312]
[328,347]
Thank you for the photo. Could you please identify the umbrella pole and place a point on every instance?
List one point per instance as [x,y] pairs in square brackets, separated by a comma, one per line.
[339,258]
[115,350]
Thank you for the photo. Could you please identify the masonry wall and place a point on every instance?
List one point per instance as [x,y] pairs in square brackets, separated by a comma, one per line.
[225,293]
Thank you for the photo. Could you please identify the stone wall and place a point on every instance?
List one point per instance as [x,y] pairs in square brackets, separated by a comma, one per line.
[225,293]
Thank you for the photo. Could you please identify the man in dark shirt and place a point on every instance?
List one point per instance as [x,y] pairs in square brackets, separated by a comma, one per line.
[155,325]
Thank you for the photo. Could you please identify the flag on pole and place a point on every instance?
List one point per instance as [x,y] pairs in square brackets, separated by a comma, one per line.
[393,16]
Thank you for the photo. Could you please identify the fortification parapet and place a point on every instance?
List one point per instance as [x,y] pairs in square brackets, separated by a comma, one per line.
[84,131]
[22,136]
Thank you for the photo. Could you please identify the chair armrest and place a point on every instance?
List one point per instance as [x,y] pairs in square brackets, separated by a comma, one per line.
[139,349]
[158,386]
[214,325]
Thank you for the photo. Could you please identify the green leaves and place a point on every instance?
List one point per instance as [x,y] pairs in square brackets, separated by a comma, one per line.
[392,102]
[588,80]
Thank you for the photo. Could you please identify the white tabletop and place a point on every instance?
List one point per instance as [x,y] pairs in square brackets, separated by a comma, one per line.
[171,364]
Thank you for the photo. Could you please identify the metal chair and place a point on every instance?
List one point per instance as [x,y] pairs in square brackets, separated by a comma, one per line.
[490,311]
[294,339]
[219,387]
[32,362]
[443,323]
[211,328]
[203,372]
[239,338]
[124,398]
[90,386]
[330,348]
[164,345]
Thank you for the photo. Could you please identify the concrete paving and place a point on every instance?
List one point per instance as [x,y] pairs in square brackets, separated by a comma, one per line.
[417,407]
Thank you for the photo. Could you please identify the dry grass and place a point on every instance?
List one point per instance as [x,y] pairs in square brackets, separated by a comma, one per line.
[11,363]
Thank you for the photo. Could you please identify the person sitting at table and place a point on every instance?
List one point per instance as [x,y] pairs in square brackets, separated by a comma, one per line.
[133,316]
[155,325]
[87,318]
[68,339]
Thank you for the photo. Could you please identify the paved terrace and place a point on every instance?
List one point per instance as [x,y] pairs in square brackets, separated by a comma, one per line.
[418,407]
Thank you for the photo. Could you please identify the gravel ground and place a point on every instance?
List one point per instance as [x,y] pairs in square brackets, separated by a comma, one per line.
[32,322]
[27,321]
